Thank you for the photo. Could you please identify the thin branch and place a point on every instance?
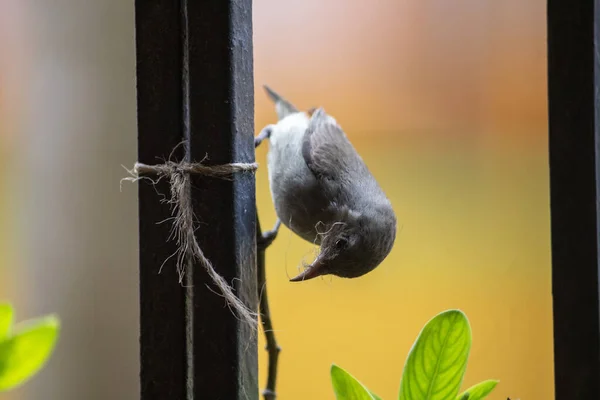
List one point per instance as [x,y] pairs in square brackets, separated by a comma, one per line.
[264,240]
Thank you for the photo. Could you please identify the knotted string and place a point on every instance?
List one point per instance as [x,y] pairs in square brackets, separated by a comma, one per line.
[180,201]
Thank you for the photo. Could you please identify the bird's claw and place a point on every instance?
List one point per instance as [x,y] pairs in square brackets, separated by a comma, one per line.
[268,237]
[264,134]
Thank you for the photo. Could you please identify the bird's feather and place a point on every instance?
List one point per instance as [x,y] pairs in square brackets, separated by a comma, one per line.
[329,154]
[282,106]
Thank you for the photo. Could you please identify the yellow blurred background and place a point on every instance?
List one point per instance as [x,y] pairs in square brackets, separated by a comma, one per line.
[445,101]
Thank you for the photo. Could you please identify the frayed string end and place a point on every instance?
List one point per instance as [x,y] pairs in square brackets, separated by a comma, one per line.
[188,249]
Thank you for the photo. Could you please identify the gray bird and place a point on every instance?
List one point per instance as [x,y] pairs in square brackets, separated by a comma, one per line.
[324,192]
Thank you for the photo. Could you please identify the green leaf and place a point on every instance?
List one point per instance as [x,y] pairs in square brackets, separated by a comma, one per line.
[436,364]
[479,391]
[6,320]
[347,387]
[24,353]
[375,396]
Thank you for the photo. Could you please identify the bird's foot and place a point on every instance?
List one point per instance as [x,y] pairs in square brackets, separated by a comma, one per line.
[264,134]
[268,237]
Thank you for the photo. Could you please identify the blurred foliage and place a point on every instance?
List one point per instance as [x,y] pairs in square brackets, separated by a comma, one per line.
[24,348]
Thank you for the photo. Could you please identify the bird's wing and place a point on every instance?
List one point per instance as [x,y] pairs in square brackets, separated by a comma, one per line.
[282,106]
[329,154]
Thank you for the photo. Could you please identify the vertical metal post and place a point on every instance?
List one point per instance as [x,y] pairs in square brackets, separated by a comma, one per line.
[195,82]
[574,115]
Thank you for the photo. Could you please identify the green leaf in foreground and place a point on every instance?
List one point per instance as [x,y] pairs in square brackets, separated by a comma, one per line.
[375,396]
[479,391]
[24,353]
[6,319]
[347,387]
[437,362]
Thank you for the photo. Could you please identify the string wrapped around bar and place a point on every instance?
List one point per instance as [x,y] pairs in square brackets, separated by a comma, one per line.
[188,248]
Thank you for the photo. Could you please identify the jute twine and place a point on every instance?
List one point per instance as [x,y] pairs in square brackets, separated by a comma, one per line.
[188,248]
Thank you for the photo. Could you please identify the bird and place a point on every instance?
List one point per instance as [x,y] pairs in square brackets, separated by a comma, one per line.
[323,191]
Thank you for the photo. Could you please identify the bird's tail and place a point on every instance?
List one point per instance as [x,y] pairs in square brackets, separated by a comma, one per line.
[282,106]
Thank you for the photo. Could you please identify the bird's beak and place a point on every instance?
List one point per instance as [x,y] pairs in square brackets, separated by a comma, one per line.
[312,271]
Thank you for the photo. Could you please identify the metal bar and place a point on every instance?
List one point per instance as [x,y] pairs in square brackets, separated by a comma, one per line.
[195,82]
[574,140]
[162,298]
[221,120]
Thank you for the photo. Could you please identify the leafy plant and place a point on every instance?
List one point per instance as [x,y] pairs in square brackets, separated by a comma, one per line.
[24,347]
[434,369]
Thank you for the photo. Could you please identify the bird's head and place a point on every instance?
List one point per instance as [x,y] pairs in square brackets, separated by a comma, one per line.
[354,246]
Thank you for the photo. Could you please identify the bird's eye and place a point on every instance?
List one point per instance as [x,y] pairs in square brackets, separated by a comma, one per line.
[341,243]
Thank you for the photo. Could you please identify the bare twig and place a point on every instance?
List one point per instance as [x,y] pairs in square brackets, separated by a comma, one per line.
[264,240]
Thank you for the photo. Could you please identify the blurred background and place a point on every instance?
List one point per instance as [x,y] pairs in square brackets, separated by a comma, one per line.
[445,101]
